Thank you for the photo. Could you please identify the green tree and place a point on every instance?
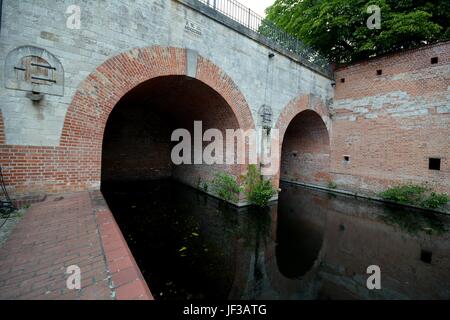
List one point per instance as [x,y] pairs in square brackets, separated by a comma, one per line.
[337,28]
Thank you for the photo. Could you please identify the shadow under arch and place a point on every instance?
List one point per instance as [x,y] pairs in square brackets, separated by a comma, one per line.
[137,142]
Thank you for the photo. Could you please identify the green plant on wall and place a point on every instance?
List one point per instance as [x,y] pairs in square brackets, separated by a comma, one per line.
[258,191]
[435,200]
[332,185]
[226,187]
[416,195]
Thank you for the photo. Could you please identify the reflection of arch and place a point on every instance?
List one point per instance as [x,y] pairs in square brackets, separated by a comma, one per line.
[30,68]
[97,95]
[311,111]
[300,231]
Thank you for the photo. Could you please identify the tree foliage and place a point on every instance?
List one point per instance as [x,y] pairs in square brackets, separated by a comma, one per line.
[338,30]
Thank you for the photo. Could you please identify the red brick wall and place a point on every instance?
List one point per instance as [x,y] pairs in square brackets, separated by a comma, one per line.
[2,129]
[390,124]
[76,163]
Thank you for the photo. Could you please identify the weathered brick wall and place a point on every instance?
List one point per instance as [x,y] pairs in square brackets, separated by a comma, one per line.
[389,125]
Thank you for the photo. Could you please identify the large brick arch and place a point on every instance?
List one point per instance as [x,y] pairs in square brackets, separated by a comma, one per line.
[100,92]
[88,113]
[292,109]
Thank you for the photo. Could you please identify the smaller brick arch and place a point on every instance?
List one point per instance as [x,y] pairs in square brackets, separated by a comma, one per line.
[294,108]
[297,105]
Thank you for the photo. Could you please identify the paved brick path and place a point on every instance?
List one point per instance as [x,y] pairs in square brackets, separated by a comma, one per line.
[76,230]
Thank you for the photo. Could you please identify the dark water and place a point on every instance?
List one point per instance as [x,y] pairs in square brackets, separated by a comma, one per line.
[311,245]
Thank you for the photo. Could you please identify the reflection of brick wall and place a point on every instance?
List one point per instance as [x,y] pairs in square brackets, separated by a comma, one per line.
[390,124]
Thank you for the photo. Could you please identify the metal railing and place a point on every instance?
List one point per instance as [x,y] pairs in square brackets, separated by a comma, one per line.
[253,21]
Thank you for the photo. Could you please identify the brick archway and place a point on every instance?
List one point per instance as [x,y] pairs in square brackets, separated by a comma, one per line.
[294,108]
[96,97]
[75,164]
[297,105]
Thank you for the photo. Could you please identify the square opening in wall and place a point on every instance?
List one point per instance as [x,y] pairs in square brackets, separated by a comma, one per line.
[347,158]
[434,60]
[434,164]
[379,72]
[342,80]
[426,256]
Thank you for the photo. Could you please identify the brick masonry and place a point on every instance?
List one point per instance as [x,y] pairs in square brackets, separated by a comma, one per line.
[75,229]
[391,124]
[387,125]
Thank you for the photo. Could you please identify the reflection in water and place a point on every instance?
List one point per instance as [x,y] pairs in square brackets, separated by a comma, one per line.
[300,233]
[311,245]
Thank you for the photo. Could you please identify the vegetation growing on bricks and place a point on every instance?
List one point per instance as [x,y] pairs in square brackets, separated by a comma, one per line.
[258,191]
[416,195]
[226,187]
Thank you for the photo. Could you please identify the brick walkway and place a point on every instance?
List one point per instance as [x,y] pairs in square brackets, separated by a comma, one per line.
[77,230]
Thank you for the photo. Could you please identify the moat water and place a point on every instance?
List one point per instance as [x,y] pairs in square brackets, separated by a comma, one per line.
[309,245]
